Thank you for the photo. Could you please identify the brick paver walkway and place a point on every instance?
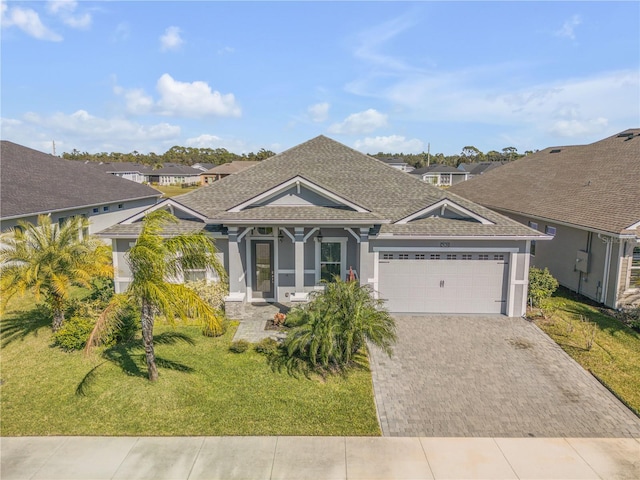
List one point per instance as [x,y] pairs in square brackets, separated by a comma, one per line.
[489,376]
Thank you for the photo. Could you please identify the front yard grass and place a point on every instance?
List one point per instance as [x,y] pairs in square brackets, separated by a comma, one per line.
[614,356]
[203,389]
[174,190]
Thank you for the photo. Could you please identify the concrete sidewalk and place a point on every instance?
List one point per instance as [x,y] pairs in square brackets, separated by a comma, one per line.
[314,458]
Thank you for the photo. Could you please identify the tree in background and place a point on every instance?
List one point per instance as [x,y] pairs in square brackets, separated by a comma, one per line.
[48,259]
[155,260]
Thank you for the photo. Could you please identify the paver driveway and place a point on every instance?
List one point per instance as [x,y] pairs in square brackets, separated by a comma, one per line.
[489,376]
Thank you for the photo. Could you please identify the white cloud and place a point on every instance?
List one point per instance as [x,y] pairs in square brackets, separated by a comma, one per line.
[226,50]
[568,27]
[65,9]
[84,131]
[195,99]
[213,141]
[171,39]
[138,102]
[121,33]
[319,112]
[362,122]
[29,22]
[391,143]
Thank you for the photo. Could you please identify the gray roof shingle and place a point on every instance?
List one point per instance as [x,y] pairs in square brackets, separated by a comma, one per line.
[33,182]
[389,194]
[594,186]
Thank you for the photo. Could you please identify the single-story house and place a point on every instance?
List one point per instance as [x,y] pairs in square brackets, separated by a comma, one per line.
[34,183]
[135,172]
[173,174]
[441,175]
[588,198]
[478,168]
[224,170]
[398,164]
[322,209]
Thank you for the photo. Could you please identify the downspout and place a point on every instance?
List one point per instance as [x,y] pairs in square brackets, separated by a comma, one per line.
[607,266]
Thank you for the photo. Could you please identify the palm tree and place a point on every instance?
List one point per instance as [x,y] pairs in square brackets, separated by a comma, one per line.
[48,259]
[154,261]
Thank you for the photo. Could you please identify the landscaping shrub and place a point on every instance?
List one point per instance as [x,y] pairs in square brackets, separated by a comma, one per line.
[74,333]
[213,294]
[239,346]
[295,317]
[267,346]
[541,285]
[336,323]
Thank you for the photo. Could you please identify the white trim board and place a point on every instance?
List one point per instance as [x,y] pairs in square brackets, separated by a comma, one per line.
[443,205]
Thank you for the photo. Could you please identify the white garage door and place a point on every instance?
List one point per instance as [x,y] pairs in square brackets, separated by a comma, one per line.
[443,283]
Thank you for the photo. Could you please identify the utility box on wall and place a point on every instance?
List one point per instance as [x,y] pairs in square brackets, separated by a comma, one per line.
[582,261]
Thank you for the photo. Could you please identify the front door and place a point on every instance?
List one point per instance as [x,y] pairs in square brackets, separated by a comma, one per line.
[263,269]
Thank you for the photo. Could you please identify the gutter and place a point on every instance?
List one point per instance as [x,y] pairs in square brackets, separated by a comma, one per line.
[65,209]
[387,236]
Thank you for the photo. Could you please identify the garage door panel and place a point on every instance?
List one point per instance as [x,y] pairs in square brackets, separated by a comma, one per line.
[444,286]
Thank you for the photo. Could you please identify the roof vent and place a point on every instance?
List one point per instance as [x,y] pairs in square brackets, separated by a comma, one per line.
[625,135]
[555,150]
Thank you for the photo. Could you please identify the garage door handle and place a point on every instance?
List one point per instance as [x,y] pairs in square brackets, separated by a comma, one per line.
[441,283]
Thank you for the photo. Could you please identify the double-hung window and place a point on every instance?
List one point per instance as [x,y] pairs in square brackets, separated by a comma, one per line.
[330,261]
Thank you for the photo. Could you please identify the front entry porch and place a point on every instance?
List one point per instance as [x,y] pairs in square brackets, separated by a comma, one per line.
[284,264]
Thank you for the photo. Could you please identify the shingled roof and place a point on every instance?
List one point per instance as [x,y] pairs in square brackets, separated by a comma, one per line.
[387,194]
[32,182]
[595,186]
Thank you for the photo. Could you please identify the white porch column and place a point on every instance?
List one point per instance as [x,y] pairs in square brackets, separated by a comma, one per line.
[235,262]
[299,260]
[367,258]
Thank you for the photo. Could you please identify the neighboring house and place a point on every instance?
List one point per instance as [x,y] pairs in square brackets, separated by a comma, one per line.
[478,168]
[440,175]
[224,170]
[203,167]
[398,164]
[33,183]
[136,172]
[322,209]
[174,174]
[588,197]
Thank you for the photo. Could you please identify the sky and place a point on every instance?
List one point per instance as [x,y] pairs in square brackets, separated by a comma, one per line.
[395,77]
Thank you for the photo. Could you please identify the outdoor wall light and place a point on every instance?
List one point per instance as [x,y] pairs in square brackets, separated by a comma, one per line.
[319,237]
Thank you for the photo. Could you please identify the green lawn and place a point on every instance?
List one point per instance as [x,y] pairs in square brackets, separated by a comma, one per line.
[173,190]
[614,356]
[203,389]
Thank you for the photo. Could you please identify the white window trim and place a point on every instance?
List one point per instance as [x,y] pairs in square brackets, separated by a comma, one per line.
[343,255]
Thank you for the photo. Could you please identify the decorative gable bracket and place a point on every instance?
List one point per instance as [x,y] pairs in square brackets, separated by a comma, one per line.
[439,209]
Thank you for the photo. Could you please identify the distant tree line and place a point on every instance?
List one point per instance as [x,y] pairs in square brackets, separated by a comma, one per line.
[176,154]
[218,156]
[469,154]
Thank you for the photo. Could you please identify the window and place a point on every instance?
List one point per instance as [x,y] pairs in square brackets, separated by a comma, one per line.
[634,281]
[264,230]
[533,225]
[403,256]
[533,248]
[96,210]
[434,256]
[120,206]
[330,260]
[61,221]
[420,256]
[387,256]
[498,256]
[466,256]
[483,256]
[105,208]
[194,275]
[550,230]
[451,256]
